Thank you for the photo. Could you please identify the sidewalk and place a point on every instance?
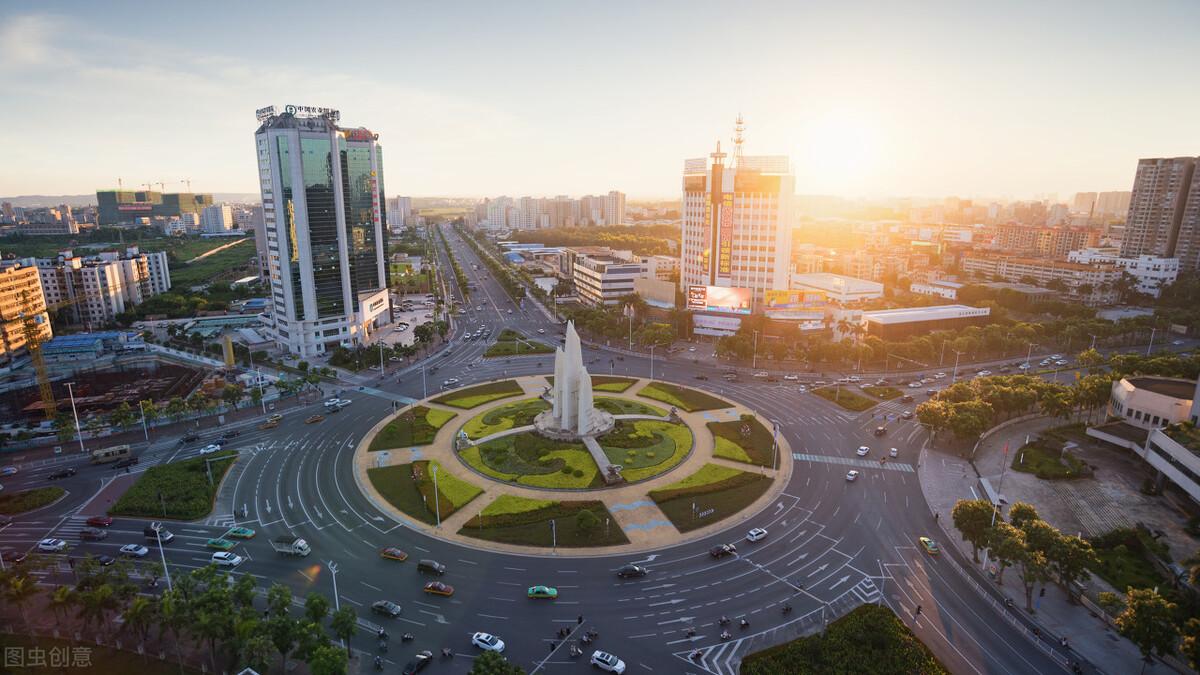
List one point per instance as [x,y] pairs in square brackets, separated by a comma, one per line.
[946,478]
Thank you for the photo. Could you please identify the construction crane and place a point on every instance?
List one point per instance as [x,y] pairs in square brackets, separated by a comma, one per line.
[189,183]
[32,322]
[162,186]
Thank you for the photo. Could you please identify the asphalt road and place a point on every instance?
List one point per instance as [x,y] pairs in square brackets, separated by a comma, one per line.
[832,545]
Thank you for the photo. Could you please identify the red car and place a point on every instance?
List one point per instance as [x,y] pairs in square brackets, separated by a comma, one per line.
[100,521]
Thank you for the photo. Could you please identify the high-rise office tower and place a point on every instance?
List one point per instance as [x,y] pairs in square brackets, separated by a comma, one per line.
[323,215]
[1160,191]
[737,222]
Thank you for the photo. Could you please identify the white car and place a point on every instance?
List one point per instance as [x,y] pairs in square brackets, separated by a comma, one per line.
[479,308]
[487,642]
[1176,342]
[894,452]
[541,331]
[343,402]
[862,451]
[331,403]
[209,449]
[226,559]
[939,376]
[450,382]
[791,378]
[134,550]
[1024,366]
[801,389]
[762,374]
[984,373]
[757,534]
[608,662]
[851,476]
[915,385]
[52,545]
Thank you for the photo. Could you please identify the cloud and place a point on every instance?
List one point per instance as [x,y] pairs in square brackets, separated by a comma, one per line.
[28,41]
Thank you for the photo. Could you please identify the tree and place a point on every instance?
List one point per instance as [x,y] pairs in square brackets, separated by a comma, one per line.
[279,599]
[139,616]
[1070,559]
[61,600]
[1007,545]
[1020,513]
[256,395]
[1090,359]
[327,660]
[344,623]
[256,652]
[19,590]
[1189,646]
[491,663]
[123,416]
[176,408]
[316,607]
[586,521]
[64,426]
[232,394]
[1033,569]
[149,411]
[1148,621]
[973,518]
[1056,404]
[283,631]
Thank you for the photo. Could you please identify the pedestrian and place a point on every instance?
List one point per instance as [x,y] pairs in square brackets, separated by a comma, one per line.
[553,646]
[579,620]
[918,612]
[936,517]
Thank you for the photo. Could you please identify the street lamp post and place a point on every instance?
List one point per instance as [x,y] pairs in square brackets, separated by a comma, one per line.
[163,557]
[754,358]
[1093,342]
[954,373]
[775,445]
[652,361]
[75,414]
[1149,346]
[145,431]
[262,396]
[424,389]
[437,501]
[1029,354]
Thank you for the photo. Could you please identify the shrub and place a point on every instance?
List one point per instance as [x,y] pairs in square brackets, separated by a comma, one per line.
[184,486]
[28,500]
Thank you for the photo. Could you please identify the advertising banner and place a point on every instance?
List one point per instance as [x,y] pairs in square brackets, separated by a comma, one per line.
[794,304]
[720,299]
[715,325]
[725,238]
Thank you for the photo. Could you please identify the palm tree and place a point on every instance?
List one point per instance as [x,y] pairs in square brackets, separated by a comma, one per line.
[61,600]
[139,616]
[344,623]
[20,589]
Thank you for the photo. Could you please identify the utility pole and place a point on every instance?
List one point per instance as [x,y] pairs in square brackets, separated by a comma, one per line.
[1029,354]
[75,414]
[145,432]
[652,361]
[954,373]
[754,358]
[163,556]
[1151,345]
[1093,342]
[437,500]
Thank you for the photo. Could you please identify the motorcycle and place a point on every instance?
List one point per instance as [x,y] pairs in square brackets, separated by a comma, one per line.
[575,651]
[723,621]
[378,663]
[383,646]
[407,637]
[787,609]
[725,635]
[744,624]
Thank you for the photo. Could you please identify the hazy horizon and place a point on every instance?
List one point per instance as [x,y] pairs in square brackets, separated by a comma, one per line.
[540,99]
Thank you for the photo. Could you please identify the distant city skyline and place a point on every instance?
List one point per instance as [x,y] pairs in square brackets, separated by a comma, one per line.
[871,101]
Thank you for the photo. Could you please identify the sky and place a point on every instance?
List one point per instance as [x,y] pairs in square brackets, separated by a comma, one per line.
[870,99]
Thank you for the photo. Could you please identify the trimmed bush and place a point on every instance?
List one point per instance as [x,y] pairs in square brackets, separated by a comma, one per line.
[624,406]
[184,486]
[409,487]
[613,383]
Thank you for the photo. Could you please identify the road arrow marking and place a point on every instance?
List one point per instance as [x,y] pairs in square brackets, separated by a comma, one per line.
[290,504]
[682,619]
[676,601]
[655,588]
[779,508]
[802,556]
[818,570]
[840,582]
[649,558]
[375,518]
[268,506]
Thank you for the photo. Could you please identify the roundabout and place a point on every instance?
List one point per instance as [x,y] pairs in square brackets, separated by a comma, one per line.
[538,462]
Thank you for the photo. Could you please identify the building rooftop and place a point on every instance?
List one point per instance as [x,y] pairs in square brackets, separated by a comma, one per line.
[1027,289]
[1166,386]
[837,283]
[936,313]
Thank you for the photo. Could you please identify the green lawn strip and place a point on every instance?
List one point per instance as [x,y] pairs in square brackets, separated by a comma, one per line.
[885,393]
[475,396]
[624,406]
[100,659]
[227,264]
[507,416]
[455,492]
[1043,462]
[847,398]
[531,460]
[870,640]
[724,498]
[689,400]
[531,526]
[28,500]
[184,487]
[517,348]
[514,504]
[706,475]
[613,383]
[415,426]
[755,446]
[646,448]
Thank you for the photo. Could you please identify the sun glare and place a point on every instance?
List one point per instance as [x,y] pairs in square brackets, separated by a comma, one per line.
[842,147]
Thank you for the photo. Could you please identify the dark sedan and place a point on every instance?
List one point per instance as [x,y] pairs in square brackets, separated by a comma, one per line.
[722,550]
[61,473]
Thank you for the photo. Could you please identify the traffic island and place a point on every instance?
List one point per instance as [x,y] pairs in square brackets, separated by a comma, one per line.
[712,494]
[415,426]
[684,398]
[744,440]
[182,490]
[411,488]
[28,500]
[545,523]
[846,398]
[473,397]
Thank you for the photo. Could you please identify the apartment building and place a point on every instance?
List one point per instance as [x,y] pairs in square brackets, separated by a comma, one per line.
[100,287]
[20,296]
[1050,242]
[1151,273]
[1094,282]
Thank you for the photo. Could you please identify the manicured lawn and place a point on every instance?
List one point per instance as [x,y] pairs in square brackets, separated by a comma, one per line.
[507,416]
[514,504]
[613,383]
[28,500]
[846,398]
[624,406]
[476,396]
[1124,559]
[529,459]
[183,485]
[409,487]
[512,343]
[689,400]
[226,265]
[870,640]
[724,490]
[885,393]
[743,440]
[646,448]
[1042,461]
[528,524]
[415,426]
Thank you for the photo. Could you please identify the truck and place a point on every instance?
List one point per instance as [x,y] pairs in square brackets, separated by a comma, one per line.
[290,546]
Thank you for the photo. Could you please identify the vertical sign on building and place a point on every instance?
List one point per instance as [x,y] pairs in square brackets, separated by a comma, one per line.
[725,238]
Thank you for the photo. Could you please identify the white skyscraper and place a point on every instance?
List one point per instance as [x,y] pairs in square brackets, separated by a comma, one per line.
[737,222]
[322,191]
[614,208]
[216,219]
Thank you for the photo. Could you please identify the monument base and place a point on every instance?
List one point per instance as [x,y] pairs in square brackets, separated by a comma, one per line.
[545,425]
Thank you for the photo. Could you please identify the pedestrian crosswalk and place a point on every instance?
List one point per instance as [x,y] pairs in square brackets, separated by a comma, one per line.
[858,463]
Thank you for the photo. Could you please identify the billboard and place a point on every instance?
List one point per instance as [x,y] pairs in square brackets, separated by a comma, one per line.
[795,305]
[725,238]
[715,325]
[722,299]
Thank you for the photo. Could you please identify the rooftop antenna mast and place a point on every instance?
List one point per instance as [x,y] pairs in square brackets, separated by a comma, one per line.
[739,129]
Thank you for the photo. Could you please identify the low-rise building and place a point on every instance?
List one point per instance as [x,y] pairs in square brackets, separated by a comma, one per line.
[1150,272]
[1150,402]
[945,289]
[895,324]
[837,287]
[605,279]
[1095,284]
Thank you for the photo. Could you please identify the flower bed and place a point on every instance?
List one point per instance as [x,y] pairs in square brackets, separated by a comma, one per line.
[646,448]
[531,460]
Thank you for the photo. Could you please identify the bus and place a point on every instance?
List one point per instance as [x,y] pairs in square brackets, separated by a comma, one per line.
[113,454]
